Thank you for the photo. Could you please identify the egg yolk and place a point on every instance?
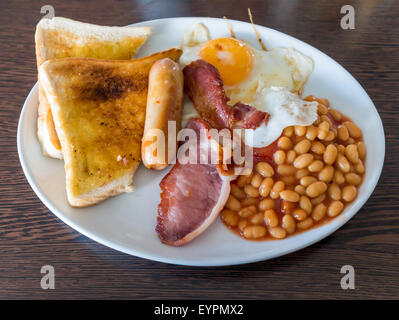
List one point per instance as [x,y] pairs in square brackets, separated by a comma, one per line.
[231,57]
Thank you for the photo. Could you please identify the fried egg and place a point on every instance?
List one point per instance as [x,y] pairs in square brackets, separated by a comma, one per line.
[243,68]
[246,72]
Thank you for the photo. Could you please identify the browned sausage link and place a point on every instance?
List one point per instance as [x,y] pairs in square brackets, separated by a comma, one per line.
[164,103]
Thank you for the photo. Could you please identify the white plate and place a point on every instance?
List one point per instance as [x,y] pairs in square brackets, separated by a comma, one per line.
[126,222]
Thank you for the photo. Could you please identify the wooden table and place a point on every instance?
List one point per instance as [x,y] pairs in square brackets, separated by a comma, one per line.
[31,236]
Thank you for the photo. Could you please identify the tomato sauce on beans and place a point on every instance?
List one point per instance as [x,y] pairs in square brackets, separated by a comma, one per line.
[304,179]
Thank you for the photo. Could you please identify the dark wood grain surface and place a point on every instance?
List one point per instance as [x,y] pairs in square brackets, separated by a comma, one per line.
[31,236]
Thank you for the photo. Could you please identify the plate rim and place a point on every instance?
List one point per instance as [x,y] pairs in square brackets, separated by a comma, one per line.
[261,256]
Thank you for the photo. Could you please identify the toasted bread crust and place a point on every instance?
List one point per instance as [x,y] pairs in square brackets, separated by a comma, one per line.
[99,112]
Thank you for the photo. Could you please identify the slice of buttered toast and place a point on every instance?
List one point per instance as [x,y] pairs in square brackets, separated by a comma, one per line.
[99,113]
[61,38]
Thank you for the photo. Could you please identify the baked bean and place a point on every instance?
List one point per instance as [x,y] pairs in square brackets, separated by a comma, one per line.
[265,169]
[242,224]
[338,177]
[285,170]
[326,118]
[351,140]
[289,195]
[361,149]
[343,163]
[341,149]
[324,101]
[279,157]
[296,139]
[305,204]
[233,204]
[300,130]
[247,211]
[359,167]
[325,124]
[354,130]
[330,136]
[343,133]
[251,191]
[330,155]
[302,146]
[266,204]
[276,189]
[299,189]
[307,180]
[351,153]
[303,160]
[319,212]
[230,217]
[317,122]
[256,180]
[299,214]
[353,178]
[316,166]
[243,180]
[271,218]
[237,192]
[265,187]
[322,109]
[287,207]
[317,147]
[288,223]
[301,173]
[284,143]
[326,174]
[334,191]
[305,224]
[349,193]
[321,133]
[288,131]
[311,133]
[249,202]
[335,208]
[254,232]
[316,189]
[289,180]
[291,155]
[319,199]
[278,233]
[336,114]
[257,218]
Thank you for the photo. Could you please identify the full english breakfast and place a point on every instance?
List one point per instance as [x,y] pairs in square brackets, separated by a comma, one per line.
[103,111]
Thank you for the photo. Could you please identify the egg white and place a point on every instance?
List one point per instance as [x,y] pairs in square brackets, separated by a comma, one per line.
[285,109]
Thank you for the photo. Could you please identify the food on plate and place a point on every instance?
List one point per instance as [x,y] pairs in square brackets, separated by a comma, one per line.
[192,194]
[104,116]
[285,109]
[204,86]
[164,105]
[310,175]
[244,69]
[60,38]
[99,112]
[308,157]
